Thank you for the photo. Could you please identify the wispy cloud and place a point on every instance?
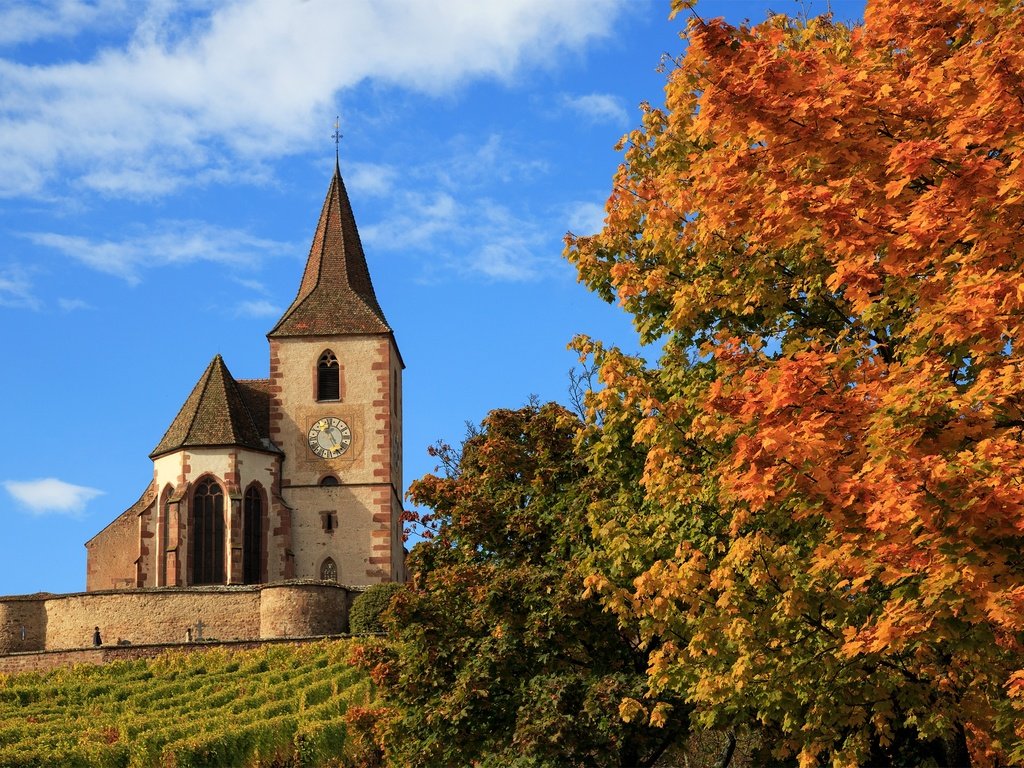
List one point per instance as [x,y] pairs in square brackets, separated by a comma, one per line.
[16,288]
[466,237]
[257,308]
[50,495]
[70,305]
[599,107]
[166,243]
[483,164]
[185,92]
[585,218]
[25,21]
[371,179]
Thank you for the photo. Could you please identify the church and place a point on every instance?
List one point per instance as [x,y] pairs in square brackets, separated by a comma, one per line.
[295,476]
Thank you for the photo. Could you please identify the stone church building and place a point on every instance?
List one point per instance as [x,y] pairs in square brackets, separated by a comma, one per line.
[296,476]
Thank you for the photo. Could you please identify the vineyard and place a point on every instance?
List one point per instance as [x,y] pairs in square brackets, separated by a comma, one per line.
[273,706]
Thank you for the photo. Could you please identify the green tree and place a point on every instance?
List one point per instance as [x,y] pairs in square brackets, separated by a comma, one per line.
[368,607]
[494,656]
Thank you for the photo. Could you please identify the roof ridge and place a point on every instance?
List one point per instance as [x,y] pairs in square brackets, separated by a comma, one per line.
[245,405]
[207,375]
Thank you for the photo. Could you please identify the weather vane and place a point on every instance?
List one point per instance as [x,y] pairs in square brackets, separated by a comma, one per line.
[337,137]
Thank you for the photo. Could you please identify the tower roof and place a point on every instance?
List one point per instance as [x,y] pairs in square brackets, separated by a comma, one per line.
[214,414]
[336,296]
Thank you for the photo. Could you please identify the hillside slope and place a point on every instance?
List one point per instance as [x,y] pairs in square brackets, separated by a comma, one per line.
[274,705]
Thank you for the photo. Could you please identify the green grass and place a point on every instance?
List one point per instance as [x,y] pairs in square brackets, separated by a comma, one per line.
[278,705]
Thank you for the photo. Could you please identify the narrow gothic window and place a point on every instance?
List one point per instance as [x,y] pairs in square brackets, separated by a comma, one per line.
[207,533]
[329,570]
[252,527]
[328,377]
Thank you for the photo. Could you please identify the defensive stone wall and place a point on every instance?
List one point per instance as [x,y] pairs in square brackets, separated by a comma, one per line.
[45,661]
[45,622]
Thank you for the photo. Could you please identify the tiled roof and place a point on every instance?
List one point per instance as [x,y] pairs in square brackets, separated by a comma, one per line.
[216,413]
[336,296]
[256,394]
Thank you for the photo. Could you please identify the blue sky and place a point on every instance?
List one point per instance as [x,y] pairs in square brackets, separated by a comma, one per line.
[162,166]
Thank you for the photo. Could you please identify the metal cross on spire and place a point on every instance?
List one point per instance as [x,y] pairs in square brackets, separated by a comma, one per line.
[337,138]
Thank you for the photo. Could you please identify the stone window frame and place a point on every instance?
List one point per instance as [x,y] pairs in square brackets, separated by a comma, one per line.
[201,482]
[329,570]
[328,377]
[329,520]
[255,487]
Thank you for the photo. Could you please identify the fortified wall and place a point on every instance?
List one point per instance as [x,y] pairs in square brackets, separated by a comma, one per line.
[291,609]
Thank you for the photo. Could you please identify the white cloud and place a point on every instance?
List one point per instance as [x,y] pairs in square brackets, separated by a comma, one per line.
[51,495]
[475,236]
[586,218]
[167,243]
[70,305]
[16,288]
[248,79]
[253,285]
[27,22]
[257,308]
[370,179]
[599,107]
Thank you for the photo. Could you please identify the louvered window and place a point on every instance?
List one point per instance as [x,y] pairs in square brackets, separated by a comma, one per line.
[328,377]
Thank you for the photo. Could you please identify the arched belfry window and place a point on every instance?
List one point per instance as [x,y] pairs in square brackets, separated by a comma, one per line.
[328,570]
[328,377]
[206,530]
[252,536]
[329,481]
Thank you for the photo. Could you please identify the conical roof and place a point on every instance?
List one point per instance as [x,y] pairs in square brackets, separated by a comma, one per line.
[336,296]
[214,414]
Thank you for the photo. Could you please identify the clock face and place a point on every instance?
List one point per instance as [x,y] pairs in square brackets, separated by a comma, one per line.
[329,437]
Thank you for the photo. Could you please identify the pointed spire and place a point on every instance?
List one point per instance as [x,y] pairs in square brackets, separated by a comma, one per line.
[214,413]
[336,295]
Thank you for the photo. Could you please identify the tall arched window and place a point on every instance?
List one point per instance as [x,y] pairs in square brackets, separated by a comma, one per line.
[328,377]
[328,570]
[163,543]
[252,536]
[207,532]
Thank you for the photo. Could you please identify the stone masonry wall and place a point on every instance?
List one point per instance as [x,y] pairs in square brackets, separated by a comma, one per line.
[47,622]
[152,616]
[44,661]
[320,609]
[112,554]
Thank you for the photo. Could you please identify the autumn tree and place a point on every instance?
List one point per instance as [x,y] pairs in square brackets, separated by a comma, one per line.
[823,231]
[493,655]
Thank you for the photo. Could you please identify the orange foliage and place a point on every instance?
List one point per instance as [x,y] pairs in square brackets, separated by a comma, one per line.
[826,226]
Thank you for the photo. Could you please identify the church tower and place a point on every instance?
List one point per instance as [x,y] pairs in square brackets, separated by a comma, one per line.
[336,413]
[298,476]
